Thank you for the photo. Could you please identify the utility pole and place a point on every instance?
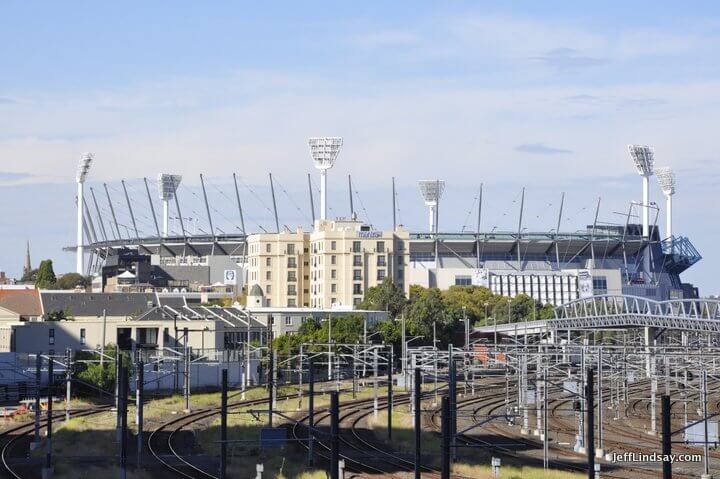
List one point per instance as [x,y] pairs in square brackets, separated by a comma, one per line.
[452,392]
[223,424]
[186,373]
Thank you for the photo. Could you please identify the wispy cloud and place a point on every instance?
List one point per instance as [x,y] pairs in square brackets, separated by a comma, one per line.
[541,149]
[567,59]
[4,100]
[388,38]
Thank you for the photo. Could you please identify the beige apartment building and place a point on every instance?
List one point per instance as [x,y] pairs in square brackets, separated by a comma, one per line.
[331,267]
[348,257]
[279,264]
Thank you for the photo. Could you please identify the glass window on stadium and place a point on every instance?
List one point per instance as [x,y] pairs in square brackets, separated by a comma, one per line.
[600,284]
[463,280]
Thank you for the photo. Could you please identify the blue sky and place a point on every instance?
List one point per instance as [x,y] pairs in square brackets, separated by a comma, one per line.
[538,94]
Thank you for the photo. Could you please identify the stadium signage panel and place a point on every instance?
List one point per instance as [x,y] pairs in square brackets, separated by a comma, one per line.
[369,234]
[230,277]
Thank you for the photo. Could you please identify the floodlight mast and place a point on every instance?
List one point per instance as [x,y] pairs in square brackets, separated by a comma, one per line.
[432,191]
[324,151]
[644,158]
[82,171]
[666,178]
[167,187]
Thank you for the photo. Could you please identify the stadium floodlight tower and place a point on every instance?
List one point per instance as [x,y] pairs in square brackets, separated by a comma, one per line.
[82,171]
[432,191]
[167,187]
[644,159]
[324,151]
[666,178]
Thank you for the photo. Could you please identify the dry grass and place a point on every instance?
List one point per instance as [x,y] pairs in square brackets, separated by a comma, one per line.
[511,472]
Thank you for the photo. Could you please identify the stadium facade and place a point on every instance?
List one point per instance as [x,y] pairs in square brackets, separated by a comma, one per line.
[335,263]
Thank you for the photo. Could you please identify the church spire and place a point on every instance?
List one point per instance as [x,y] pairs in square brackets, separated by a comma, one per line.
[28,265]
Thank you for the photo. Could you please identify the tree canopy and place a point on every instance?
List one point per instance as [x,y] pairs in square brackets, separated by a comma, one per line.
[45,275]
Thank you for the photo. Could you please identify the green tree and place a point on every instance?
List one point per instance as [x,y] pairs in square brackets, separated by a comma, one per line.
[71,281]
[425,308]
[45,275]
[384,297]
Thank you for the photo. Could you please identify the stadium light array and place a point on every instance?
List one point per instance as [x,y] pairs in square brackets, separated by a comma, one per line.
[324,151]
[82,171]
[167,188]
[666,178]
[432,191]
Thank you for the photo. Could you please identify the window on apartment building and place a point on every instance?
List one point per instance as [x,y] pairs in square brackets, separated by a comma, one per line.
[292,262]
[51,336]
[291,248]
[356,247]
[357,274]
[333,274]
[268,248]
[357,260]
[333,288]
[333,245]
[292,303]
[268,275]
[357,288]
[463,280]
[292,276]
[400,274]
[400,260]
[333,259]
[288,320]
[268,261]
[380,247]
[82,336]
[381,260]
[600,284]
[333,300]
[268,289]
[356,301]
[380,274]
[291,291]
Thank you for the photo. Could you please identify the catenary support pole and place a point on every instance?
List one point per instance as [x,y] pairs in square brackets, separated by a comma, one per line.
[666,436]
[223,424]
[48,439]
[445,438]
[590,422]
[311,411]
[139,399]
[390,394]
[68,382]
[334,435]
[123,422]
[417,389]
[38,381]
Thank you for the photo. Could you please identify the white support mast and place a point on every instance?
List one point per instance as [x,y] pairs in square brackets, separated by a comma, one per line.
[324,151]
[644,158]
[432,191]
[82,171]
[167,187]
[666,178]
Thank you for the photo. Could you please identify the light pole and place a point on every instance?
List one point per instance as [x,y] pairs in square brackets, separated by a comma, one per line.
[82,171]
[467,329]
